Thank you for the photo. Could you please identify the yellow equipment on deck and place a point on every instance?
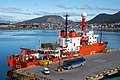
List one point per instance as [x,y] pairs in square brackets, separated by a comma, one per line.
[45,62]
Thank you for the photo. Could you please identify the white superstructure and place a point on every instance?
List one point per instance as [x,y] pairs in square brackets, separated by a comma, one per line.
[92,37]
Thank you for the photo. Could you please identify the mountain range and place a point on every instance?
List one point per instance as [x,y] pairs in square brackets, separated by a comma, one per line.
[55,19]
[106,18]
[101,18]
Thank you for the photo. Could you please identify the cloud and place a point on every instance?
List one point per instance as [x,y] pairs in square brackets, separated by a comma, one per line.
[5,17]
[85,7]
[64,7]
[88,7]
[91,14]
[36,4]
[50,13]
[25,13]
[41,13]
[109,9]
[60,13]
[10,10]
[76,14]
[13,10]
[45,13]
[11,18]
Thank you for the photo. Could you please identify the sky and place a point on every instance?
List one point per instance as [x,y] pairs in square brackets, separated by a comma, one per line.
[20,10]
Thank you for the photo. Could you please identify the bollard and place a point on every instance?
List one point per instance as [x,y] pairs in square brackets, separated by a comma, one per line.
[43,78]
[61,69]
[87,78]
[58,70]
[96,76]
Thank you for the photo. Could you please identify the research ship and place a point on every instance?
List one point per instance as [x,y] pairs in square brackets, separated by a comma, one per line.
[69,45]
[85,43]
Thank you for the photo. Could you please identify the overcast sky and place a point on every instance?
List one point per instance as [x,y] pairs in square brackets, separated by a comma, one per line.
[19,10]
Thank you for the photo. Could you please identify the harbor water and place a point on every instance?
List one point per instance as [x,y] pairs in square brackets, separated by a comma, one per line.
[12,41]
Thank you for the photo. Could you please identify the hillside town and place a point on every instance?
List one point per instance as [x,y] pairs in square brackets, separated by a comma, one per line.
[48,26]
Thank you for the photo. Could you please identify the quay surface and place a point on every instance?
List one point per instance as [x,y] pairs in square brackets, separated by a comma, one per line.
[95,64]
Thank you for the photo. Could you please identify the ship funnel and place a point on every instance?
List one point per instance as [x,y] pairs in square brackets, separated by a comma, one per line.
[84,23]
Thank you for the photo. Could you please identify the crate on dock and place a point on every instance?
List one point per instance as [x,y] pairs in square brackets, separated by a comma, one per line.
[107,51]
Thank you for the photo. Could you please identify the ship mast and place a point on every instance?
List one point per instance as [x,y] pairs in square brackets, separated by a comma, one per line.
[101,35]
[66,23]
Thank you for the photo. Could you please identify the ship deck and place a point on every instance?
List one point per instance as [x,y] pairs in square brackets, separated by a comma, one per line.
[95,64]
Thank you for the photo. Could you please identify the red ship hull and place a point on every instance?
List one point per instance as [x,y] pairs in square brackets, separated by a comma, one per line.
[93,49]
[85,50]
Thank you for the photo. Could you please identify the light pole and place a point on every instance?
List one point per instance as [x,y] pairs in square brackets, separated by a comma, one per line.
[59,68]
[39,42]
[101,35]
[59,59]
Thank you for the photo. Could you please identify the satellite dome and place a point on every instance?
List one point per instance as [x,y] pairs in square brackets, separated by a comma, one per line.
[84,14]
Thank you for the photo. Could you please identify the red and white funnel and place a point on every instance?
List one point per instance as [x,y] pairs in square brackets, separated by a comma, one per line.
[84,23]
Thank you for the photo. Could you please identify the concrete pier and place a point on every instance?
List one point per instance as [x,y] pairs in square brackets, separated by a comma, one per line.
[96,65]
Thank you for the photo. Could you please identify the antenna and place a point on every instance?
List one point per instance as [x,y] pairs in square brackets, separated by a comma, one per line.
[101,35]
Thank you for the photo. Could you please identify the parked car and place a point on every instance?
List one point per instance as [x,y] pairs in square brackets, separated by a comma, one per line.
[46,71]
